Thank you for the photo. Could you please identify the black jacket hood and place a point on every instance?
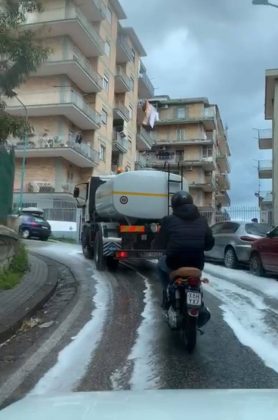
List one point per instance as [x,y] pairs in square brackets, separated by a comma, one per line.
[187,212]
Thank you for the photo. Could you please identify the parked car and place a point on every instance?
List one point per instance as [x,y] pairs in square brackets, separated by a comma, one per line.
[264,254]
[233,241]
[33,225]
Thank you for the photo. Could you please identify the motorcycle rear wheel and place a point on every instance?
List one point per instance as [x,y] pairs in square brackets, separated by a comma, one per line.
[190,334]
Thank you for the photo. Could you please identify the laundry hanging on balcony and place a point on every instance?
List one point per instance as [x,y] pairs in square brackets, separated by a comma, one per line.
[151,115]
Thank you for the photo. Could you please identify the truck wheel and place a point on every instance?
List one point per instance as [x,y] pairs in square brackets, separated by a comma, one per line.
[99,257]
[111,263]
[86,248]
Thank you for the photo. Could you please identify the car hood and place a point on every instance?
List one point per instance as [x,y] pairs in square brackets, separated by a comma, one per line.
[149,405]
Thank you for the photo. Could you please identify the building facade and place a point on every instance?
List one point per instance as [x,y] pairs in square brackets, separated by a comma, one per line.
[269,169]
[82,102]
[190,137]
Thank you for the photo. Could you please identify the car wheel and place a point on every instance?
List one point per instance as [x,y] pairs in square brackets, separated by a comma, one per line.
[25,233]
[256,265]
[44,238]
[230,259]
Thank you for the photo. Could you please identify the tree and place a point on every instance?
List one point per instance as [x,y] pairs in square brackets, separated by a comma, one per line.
[20,54]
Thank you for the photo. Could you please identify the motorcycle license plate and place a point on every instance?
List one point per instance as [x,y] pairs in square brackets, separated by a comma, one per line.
[194,299]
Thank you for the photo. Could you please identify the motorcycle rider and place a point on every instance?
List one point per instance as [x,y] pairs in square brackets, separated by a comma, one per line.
[184,236]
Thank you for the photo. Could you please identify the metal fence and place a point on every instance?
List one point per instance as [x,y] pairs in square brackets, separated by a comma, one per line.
[238,213]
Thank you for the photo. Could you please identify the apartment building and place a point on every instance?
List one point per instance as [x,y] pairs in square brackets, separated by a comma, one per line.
[82,102]
[268,140]
[265,201]
[190,136]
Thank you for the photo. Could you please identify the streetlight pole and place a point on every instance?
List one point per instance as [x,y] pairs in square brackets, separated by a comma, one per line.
[23,164]
[264,3]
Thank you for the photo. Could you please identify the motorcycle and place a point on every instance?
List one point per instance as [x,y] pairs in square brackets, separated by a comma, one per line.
[186,311]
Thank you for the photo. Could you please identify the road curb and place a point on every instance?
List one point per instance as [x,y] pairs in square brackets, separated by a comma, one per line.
[34,303]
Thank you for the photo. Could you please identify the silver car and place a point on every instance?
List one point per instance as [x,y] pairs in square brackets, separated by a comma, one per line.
[233,241]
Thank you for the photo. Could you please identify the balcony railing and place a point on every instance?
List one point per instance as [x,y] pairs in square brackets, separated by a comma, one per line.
[48,102]
[121,109]
[70,63]
[123,82]
[265,133]
[144,139]
[124,52]
[223,161]
[206,117]
[149,89]
[57,146]
[265,139]
[141,162]
[120,142]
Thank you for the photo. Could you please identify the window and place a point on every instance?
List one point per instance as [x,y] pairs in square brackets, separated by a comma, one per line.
[107,48]
[109,14]
[207,152]
[259,229]
[180,134]
[133,54]
[227,227]
[180,113]
[106,83]
[102,152]
[130,111]
[104,116]
[132,83]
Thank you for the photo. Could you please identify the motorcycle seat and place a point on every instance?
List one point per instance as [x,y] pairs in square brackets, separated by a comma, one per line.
[185,272]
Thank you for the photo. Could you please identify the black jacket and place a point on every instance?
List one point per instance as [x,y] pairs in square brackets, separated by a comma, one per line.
[185,236]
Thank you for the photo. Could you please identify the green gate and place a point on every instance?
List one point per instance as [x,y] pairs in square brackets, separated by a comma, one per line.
[7,169]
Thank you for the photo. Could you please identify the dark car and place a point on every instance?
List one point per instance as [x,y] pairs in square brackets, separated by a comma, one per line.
[264,254]
[233,241]
[31,225]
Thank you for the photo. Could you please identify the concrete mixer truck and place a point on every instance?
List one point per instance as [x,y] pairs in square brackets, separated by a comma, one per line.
[121,214]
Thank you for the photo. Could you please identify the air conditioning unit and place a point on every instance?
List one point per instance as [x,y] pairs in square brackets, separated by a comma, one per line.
[40,186]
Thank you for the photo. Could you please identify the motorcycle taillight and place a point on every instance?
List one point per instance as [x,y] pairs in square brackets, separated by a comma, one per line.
[194,281]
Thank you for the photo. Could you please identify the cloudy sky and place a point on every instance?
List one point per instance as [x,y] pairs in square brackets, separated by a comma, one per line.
[218,49]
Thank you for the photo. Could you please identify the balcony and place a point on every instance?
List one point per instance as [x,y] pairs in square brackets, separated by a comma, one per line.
[163,159]
[93,9]
[223,182]
[205,118]
[144,140]
[66,102]
[141,162]
[223,145]
[120,143]
[75,66]
[122,81]
[80,155]
[184,142]
[121,112]
[223,163]
[265,139]
[207,186]
[145,87]
[124,51]
[223,198]
[265,169]
[70,22]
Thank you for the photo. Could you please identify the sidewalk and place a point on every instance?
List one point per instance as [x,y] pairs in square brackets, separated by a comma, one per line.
[35,288]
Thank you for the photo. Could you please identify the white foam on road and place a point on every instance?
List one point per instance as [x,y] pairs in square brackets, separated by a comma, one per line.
[265,285]
[249,317]
[73,360]
[143,356]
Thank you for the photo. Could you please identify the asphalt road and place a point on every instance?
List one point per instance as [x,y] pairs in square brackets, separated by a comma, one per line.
[114,337]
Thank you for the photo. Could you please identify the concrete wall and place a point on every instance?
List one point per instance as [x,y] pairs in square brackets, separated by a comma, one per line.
[275,156]
[8,244]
